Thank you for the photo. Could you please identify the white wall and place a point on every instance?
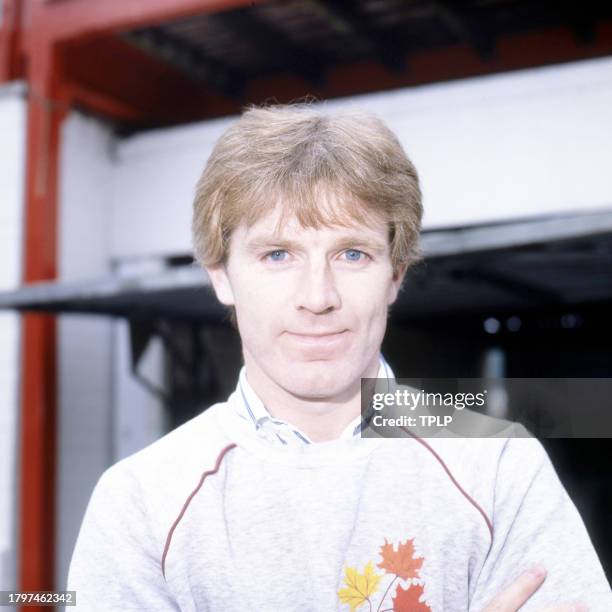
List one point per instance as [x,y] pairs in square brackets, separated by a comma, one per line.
[153,188]
[84,342]
[489,148]
[12,173]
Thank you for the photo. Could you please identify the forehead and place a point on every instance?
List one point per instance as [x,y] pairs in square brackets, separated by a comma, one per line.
[323,213]
[275,225]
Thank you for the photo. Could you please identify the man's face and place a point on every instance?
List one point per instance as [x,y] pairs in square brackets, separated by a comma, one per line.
[311,304]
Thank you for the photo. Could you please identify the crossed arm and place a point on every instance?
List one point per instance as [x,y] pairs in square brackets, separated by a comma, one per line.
[516,594]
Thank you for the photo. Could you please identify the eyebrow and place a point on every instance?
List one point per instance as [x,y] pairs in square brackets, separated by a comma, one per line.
[349,242]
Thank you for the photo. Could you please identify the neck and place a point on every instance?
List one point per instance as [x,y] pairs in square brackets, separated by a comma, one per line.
[321,419]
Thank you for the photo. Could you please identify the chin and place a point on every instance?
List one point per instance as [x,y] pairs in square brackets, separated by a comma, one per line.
[316,380]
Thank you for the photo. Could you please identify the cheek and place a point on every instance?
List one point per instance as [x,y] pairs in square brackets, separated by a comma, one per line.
[259,306]
[369,302]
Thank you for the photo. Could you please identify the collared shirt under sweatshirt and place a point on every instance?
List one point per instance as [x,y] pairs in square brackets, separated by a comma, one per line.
[215,516]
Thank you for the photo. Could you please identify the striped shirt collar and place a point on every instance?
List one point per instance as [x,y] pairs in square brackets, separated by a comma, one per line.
[277,431]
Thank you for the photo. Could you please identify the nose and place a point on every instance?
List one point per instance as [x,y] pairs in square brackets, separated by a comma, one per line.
[316,290]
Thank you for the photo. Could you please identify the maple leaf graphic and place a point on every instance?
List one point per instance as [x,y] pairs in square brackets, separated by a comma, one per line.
[402,562]
[359,587]
[407,600]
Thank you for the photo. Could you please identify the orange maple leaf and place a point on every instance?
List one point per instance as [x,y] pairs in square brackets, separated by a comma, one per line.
[408,600]
[402,562]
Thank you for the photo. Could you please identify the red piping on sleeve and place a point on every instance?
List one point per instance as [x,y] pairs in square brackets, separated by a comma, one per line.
[188,501]
[462,491]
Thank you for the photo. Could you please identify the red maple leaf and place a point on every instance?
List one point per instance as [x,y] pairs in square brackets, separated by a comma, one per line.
[408,600]
[400,562]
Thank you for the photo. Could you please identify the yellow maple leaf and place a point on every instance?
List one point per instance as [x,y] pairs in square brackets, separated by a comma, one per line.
[359,587]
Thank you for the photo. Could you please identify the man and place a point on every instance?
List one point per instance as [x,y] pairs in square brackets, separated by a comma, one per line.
[273,500]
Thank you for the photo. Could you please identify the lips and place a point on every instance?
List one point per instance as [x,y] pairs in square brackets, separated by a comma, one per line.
[316,335]
[317,339]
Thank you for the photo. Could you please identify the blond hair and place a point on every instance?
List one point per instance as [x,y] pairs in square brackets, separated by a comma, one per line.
[289,154]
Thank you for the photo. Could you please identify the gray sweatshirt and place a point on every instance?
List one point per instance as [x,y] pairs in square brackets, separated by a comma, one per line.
[214,516]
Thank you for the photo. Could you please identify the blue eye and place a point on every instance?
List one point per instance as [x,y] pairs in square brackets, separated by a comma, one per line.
[278,255]
[354,255]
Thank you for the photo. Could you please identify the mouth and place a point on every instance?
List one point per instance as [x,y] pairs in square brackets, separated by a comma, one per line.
[318,339]
[329,341]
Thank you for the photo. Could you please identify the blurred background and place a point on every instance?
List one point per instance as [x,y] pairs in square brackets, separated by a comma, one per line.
[109,334]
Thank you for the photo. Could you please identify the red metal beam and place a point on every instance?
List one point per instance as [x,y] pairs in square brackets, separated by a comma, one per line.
[11,65]
[38,355]
[117,80]
[81,19]
[102,104]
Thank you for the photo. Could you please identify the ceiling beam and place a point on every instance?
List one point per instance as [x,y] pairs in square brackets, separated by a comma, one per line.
[385,46]
[459,23]
[513,52]
[109,68]
[273,43]
[192,61]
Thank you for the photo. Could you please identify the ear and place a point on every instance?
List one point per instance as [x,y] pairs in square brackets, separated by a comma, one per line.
[221,284]
[396,283]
